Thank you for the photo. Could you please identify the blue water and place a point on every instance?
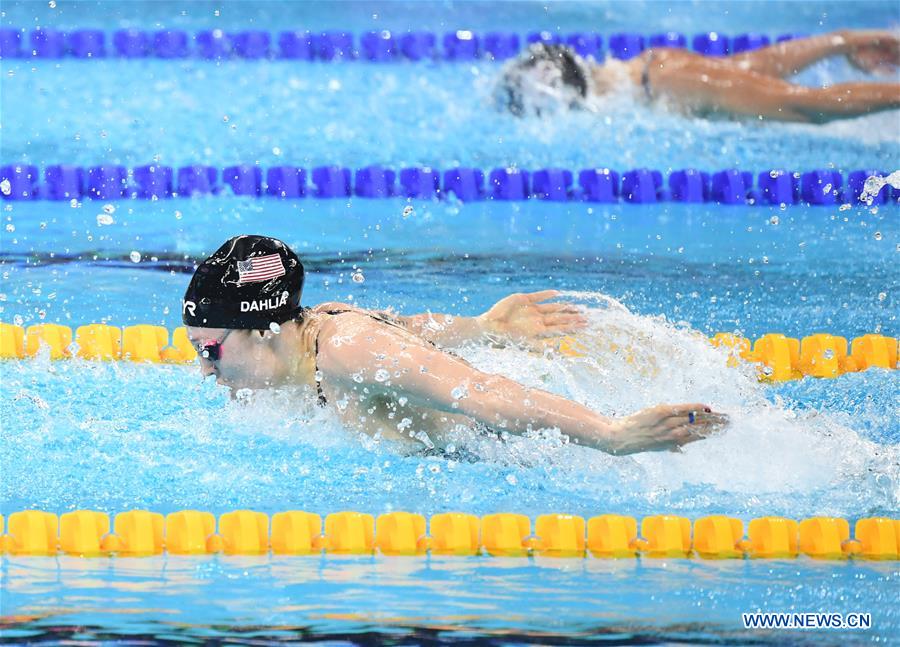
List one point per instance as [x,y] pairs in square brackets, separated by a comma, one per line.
[117,436]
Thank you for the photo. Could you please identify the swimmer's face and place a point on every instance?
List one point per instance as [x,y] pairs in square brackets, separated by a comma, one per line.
[240,359]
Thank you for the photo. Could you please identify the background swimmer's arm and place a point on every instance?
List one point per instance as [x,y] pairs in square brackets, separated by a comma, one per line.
[711,84]
[864,48]
[431,378]
[520,317]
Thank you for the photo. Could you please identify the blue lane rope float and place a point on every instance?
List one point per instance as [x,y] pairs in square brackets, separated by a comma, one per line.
[142,533]
[375,46]
[643,186]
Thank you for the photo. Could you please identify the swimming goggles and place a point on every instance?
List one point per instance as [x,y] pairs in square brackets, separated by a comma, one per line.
[212,350]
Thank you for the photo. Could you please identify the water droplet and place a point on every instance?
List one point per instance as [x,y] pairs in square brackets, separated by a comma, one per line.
[358,378]
[450,448]
[177,215]
[382,375]
[828,354]
[460,392]
[52,4]
[774,174]
[43,225]
[18,320]
[844,207]
[225,119]
[319,376]
[877,235]
[10,227]
[434,468]
[882,296]
[276,151]
[104,219]
[826,188]
[73,203]
[243,395]
[422,437]
[511,479]
[274,327]
[408,211]
[135,257]
[108,208]
[5,187]
[402,401]
[358,277]
[768,370]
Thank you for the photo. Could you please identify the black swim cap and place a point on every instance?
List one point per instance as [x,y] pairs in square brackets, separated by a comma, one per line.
[511,92]
[249,283]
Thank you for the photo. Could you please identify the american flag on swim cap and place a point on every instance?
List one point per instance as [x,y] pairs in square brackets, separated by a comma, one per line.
[260,268]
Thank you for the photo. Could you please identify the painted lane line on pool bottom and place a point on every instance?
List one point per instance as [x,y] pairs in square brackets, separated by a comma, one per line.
[603,185]
[373,46]
[778,357]
[245,532]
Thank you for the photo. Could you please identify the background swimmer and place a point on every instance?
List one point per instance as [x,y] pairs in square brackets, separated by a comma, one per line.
[546,77]
[387,375]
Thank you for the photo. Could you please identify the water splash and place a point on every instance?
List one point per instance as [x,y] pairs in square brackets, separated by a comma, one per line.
[119,435]
[875,183]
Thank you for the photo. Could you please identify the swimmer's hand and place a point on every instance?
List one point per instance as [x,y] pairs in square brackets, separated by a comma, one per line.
[664,427]
[523,317]
[873,51]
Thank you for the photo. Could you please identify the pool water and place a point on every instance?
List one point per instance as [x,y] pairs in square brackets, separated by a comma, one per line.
[119,436]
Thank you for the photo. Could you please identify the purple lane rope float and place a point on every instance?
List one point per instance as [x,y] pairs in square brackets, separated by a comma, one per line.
[826,187]
[373,46]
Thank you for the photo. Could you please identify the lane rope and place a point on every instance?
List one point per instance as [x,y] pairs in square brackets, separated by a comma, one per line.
[86,533]
[777,356]
[826,187]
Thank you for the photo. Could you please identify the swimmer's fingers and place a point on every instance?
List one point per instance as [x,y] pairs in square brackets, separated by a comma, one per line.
[687,409]
[564,320]
[563,308]
[542,295]
[700,428]
[700,417]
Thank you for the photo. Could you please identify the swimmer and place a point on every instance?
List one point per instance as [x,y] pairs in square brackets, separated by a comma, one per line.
[392,376]
[750,84]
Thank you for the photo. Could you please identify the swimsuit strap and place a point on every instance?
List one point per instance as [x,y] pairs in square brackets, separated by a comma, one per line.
[321,400]
[645,76]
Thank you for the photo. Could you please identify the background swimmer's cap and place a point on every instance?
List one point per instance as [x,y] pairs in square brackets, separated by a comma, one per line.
[250,282]
[543,75]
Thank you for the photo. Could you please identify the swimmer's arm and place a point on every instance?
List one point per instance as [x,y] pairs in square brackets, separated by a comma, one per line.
[705,83]
[792,56]
[518,317]
[431,378]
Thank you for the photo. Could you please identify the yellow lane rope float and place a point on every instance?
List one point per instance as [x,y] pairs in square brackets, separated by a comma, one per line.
[778,357]
[86,533]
